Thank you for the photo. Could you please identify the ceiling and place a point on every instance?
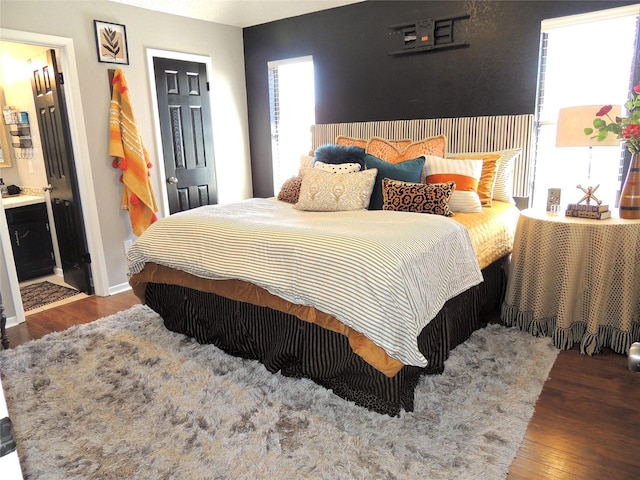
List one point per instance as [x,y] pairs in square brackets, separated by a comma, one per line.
[239,13]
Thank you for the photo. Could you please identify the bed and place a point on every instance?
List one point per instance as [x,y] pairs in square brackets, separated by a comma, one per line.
[340,297]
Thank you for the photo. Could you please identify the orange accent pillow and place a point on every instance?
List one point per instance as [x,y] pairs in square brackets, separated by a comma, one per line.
[362,143]
[487,181]
[463,182]
[388,152]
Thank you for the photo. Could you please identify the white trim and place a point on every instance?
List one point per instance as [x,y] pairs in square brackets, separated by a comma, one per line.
[187,57]
[123,287]
[285,61]
[80,152]
[14,286]
[13,321]
[608,14]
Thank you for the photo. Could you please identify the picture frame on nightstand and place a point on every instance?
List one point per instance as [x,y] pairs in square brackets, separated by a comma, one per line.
[553,198]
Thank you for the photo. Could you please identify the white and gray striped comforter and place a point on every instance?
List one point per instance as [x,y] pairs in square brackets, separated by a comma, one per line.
[385,274]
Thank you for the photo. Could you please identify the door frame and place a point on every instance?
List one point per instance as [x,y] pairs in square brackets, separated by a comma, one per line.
[82,164]
[187,57]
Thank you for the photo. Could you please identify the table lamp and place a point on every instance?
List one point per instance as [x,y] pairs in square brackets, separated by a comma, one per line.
[570,131]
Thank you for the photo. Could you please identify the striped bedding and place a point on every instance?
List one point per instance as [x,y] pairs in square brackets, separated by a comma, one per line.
[385,274]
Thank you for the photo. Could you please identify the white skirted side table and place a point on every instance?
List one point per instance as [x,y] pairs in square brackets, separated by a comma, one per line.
[576,280]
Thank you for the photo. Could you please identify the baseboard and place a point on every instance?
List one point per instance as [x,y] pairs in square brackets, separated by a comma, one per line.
[123,287]
[12,321]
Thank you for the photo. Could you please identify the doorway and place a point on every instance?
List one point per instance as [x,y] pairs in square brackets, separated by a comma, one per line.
[45,234]
[83,167]
[182,92]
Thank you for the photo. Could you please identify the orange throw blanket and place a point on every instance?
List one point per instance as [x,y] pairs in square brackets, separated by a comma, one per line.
[125,143]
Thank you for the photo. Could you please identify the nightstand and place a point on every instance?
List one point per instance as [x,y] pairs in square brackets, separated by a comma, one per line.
[576,280]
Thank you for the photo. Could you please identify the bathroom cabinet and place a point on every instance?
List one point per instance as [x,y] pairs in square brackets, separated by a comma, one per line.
[31,241]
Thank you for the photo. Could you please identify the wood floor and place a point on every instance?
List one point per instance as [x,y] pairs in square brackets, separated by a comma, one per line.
[586,424]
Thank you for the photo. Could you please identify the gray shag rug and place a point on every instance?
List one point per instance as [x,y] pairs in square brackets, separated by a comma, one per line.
[123,398]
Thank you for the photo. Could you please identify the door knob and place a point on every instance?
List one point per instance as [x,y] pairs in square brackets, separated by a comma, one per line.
[48,188]
[172,180]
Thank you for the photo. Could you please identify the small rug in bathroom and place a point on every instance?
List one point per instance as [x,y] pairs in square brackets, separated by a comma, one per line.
[39,294]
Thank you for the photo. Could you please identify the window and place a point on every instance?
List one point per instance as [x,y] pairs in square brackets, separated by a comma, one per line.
[585,60]
[292,106]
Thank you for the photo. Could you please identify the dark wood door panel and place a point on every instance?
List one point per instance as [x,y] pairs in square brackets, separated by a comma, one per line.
[193,197]
[187,137]
[57,150]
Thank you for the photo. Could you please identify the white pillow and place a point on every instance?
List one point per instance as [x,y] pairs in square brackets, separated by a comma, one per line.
[306,161]
[464,173]
[338,167]
[503,188]
[322,191]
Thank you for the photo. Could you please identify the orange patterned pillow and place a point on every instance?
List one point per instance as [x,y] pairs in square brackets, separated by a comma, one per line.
[488,177]
[385,150]
[362,143]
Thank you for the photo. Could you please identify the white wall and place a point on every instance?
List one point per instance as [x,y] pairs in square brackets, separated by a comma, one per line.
[145,29]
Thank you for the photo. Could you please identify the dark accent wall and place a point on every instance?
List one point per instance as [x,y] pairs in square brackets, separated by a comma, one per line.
[357,80]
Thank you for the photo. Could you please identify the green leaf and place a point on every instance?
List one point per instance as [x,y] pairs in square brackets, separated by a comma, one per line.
[615,128]
[599,123]
[588,131]
[602,135]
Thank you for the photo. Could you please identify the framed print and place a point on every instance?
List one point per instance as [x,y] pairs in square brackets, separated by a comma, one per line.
[111,42]
[553,198]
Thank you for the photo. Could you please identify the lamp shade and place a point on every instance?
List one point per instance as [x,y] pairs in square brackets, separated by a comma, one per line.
[573,120]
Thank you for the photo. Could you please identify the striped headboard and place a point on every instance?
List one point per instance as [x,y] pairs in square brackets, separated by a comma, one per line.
[464,134]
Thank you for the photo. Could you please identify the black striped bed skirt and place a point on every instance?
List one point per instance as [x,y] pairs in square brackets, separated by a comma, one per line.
[296,348]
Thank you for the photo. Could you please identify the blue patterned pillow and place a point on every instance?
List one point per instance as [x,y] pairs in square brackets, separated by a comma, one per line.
[407,171]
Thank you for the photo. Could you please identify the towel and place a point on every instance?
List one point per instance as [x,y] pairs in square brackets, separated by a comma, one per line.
[131,157]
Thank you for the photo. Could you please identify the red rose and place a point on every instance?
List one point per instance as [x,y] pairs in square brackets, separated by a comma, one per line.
[604,110]
[631,131]
[636,89]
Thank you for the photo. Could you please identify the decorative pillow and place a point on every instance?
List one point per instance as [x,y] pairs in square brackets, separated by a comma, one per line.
[333,154]
[464,173]
[290,190]
[385,150]
[417,197]
[338,168]
[362,143]
[333,192]
[409,171]
[306,161]
[345,141]
[503,188]
[488,177]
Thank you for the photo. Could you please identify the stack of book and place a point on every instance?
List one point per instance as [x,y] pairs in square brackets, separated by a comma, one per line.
[599,212]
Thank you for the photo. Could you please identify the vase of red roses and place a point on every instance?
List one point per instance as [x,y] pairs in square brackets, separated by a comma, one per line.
[627,129]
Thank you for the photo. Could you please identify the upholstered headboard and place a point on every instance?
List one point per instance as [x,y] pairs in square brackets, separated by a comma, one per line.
[464,134]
